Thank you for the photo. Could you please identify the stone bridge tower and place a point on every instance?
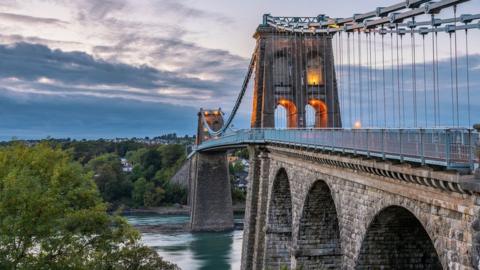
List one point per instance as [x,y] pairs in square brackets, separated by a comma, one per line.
[293,71]
[209,197]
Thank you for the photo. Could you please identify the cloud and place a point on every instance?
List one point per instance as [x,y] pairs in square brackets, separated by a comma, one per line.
[18,18]
[186,12]
[38,116]
[77,73]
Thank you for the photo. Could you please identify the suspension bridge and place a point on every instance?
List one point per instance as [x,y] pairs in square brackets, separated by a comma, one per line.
[361,143]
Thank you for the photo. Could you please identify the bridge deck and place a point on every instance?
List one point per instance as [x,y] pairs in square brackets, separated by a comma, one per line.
[451,148]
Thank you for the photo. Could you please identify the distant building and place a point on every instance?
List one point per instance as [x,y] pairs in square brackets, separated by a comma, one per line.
[126,166]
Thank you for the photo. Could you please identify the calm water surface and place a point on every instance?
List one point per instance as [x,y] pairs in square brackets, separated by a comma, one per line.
[212,251]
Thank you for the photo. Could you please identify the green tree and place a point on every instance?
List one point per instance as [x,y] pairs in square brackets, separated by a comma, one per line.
[172,154]
[112,182]
[52,217]
[243,153]
[139,189]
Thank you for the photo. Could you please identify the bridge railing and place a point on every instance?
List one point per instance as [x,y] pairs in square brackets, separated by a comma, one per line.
[452,148]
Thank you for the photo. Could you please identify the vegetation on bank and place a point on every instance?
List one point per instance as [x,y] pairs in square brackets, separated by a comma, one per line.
[146,185]
[52,215]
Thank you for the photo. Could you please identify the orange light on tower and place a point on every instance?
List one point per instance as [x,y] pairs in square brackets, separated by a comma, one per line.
[357,125]
[314,76]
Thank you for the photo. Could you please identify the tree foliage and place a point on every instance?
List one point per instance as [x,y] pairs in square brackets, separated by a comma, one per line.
[153,169]
[52,216]
[110,179]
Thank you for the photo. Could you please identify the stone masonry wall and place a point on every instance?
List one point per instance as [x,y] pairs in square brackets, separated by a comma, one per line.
[182,176]
[279,224]
[210,194]
[318,241]
[396,239]
[440,220]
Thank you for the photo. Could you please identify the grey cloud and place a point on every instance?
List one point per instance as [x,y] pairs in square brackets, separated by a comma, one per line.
[9,39]
[30,19]
[98,10]
[39,116]
[187,57]
[185,12]
[78,71]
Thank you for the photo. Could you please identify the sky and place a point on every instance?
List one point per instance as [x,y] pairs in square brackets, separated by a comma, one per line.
[125,68]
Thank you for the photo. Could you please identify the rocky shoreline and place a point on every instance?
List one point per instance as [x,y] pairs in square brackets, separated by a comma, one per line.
[173,228]
[175,210]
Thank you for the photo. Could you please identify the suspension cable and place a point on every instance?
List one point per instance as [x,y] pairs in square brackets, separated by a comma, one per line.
[393,80]
[329,114]
[370,79]
[376,77]
[452,80]
[403,79]
[438,77]
[334,93]
[341,82]
[434,79]
[468,77]
[354,77]
[349,67]
[414,74]
[360,74]
[456,64]
[399,101]
[384,82]
[425,81]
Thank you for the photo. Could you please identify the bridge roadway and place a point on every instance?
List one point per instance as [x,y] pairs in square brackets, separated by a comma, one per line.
[449,148]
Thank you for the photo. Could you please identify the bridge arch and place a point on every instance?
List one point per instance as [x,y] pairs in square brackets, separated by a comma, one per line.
[278,236]
[318,244]
[396,239]
[285,114]
[319,114]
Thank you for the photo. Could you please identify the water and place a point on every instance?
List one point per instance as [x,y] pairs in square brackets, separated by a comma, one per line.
[212,251]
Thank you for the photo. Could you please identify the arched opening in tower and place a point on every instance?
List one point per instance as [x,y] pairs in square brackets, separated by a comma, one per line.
[316,114]
[279,224]
[397,240]
[309,116]
[285,114]
[318,245]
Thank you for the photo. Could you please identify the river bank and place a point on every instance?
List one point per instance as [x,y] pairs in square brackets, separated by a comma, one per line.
[177,216]
[238,208]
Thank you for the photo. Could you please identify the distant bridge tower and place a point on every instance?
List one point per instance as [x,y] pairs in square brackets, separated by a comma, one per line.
[294,70]
[212,118]
[209,195]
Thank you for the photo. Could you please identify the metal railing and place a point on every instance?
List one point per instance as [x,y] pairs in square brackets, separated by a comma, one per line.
[452,148]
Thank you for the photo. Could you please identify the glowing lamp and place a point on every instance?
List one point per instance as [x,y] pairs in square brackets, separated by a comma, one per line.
[314,77]
[357,124]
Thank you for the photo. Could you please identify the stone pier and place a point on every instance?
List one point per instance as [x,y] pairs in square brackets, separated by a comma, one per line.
[210,193]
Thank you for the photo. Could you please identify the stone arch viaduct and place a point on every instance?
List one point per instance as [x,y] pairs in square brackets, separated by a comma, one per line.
[311,210]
